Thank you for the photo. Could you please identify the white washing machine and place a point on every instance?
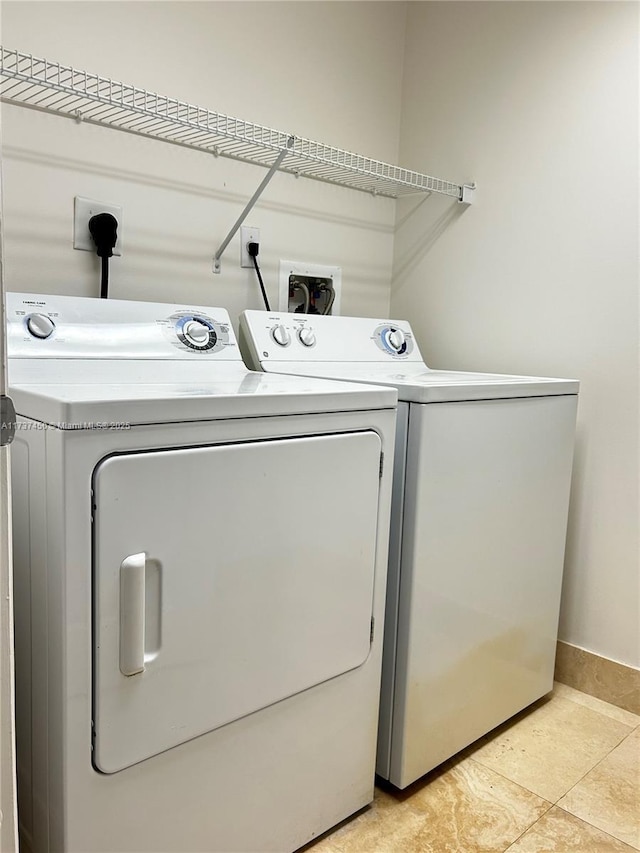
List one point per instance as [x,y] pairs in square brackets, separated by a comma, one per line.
[200,562]
[478,528]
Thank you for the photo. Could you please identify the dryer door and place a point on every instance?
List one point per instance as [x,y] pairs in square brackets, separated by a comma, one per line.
[226,578]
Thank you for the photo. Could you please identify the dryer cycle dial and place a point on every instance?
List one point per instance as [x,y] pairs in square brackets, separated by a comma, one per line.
[40,326]
[197,332]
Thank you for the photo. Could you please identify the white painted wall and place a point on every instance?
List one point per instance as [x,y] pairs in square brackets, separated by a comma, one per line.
[328,71]
[538,102]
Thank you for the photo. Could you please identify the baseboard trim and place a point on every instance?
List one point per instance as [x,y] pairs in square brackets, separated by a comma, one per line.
[598,676]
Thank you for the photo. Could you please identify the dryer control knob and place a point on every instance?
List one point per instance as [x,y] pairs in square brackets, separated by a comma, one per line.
[40,325]
[196,333]
[281,336]
[307,336]
[396,339]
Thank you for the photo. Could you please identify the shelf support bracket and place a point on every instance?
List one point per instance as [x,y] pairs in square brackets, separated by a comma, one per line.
[467,194]
[254,198]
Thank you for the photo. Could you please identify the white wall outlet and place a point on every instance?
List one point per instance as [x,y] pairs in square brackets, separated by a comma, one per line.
[291,299]
[247,235]
[83,210]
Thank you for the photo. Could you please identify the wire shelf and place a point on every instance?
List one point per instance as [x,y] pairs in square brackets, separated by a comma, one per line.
[43,85]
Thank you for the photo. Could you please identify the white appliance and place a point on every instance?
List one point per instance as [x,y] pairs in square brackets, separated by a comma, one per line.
[200,562]
[478,527]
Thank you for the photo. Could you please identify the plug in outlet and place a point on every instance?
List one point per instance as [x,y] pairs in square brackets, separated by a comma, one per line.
[84,209]
[247,235]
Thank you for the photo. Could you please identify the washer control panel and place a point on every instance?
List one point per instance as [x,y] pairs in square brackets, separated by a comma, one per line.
[43,326]
[318,338]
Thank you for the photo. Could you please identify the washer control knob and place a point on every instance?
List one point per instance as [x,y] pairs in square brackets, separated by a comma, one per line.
[281,336]
[396,339]
[196,333]
[40,325]
[307,336]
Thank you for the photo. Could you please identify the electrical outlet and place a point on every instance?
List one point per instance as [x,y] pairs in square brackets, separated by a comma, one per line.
[83,210]
[247,235]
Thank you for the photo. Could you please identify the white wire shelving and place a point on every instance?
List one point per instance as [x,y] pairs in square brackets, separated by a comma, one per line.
[40,84]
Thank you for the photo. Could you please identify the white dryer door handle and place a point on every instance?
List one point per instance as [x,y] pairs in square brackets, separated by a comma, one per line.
[132,602]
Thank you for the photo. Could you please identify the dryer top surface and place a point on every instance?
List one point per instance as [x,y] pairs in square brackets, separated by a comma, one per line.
[75,361]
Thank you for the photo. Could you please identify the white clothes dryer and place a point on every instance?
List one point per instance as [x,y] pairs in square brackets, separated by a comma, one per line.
[478,528]
[198,657]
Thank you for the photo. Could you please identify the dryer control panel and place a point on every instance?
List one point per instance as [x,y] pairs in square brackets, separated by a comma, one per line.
[318,338]
[43,326]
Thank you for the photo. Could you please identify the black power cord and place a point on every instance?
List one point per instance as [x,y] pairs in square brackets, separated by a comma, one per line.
[253,249]
[104,230]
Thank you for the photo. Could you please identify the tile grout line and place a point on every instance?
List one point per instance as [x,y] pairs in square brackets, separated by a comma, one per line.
[513,782]
[597,764]
[628,734]
[599,829]
[575,817]
[633,726]
[511,843]
[553,804]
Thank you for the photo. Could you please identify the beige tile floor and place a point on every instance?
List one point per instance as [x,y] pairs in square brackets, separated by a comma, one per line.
[562,777]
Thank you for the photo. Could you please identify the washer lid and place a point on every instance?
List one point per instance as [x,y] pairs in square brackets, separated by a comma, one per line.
[416,383]
[385,352]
